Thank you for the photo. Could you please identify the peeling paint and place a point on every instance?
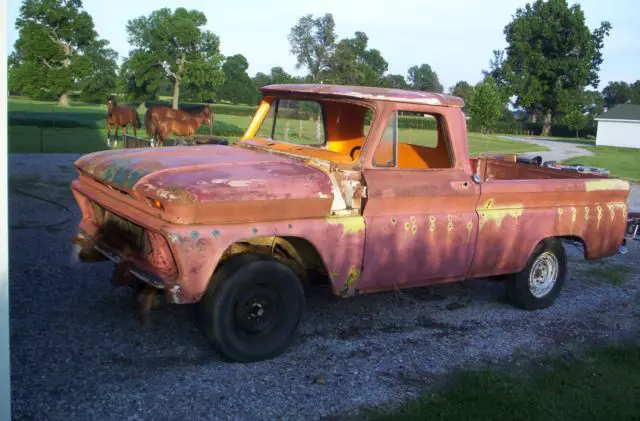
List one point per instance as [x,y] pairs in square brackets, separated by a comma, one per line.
[606,184]
[215,233]
[612,211]
[498,215]
[195,235]
[166,194]
[240,183]
[352,277]
[174,238]
[432,223]
[350,224]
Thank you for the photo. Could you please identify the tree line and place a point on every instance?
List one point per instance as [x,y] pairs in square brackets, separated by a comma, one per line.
[551,61]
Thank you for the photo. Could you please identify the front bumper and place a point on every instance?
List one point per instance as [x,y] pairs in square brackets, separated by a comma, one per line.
[152,250]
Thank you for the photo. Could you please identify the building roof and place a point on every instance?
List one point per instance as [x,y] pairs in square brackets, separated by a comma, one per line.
[621,112]
[367,93]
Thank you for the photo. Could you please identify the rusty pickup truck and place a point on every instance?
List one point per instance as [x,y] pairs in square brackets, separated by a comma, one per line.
[326,186]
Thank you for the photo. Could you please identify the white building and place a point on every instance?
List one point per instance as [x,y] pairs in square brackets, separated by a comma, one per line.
[619,126]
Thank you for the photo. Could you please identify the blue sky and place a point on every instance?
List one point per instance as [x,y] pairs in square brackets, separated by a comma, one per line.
[455,37]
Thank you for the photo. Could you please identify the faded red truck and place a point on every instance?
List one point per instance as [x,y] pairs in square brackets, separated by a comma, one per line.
[324,186]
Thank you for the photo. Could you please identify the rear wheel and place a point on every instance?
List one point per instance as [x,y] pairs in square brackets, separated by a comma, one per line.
[252,307]
[538,285]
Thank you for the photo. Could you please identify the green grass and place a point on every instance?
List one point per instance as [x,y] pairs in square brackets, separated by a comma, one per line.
[601,385]
[621,162]
[90,135]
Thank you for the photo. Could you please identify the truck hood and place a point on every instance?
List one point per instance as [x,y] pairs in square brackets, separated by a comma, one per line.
[209,173]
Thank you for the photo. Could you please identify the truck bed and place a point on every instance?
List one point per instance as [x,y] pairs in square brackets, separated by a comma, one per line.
[495,169]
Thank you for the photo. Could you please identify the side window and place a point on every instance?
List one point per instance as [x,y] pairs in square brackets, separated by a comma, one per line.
[414,141]
[295,121]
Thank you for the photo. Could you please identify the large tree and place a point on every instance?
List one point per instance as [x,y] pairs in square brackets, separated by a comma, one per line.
[423,78]
[101,77]
[56,46]
[353,63]
[237,87]
[551,56]
[313,41]
[486,105]
[175,45]
[621,93]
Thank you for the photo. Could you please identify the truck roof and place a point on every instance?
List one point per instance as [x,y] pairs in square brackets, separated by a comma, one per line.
[367,93]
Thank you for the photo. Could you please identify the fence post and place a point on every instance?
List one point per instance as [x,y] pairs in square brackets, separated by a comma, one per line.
[286,131]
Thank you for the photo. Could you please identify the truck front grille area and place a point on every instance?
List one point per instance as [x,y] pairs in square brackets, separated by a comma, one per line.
[132,241]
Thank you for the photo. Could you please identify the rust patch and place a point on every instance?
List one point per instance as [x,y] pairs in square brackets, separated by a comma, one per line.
[606,184]
[350,224]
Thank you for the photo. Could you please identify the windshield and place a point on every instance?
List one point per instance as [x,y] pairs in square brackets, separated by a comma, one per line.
[326,129]
[294,121]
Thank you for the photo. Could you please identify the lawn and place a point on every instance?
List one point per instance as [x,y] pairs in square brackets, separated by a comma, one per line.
[601,385]
[82,128]
[621,162]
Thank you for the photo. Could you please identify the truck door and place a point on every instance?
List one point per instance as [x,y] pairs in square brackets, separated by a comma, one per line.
[420,210]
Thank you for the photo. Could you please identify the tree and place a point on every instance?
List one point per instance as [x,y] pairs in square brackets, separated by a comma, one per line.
[486,105]
[175,46]
[394,81]
[354,64]
[592,103]
[55,47]
[423,78]
[576,120]
[616,93]
[101,79]
[237,87]
[551,55]
[313,43]
[463,90]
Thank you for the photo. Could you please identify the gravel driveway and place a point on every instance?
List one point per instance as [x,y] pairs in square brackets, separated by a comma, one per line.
[78,351]
[558,151]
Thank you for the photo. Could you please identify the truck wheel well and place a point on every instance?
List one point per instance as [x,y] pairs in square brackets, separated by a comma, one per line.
[576,241]
[296,252]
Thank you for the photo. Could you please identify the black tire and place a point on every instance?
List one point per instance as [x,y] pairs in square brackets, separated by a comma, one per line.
[272,294]
[531,294]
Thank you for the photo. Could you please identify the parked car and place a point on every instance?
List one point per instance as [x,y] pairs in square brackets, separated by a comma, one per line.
[326,186]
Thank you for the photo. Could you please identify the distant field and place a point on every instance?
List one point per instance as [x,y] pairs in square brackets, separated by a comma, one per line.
[621,162]
[82,128]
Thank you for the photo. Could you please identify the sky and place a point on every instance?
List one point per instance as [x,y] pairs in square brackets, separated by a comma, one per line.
[455,37]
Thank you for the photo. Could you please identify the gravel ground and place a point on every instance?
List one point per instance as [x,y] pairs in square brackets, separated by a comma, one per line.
[78,351]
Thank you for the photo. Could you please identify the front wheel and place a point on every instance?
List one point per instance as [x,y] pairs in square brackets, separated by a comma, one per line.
[538,285]
[252,307]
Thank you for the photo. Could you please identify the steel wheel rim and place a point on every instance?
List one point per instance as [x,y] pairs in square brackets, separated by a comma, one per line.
[258,311]
[543,274]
